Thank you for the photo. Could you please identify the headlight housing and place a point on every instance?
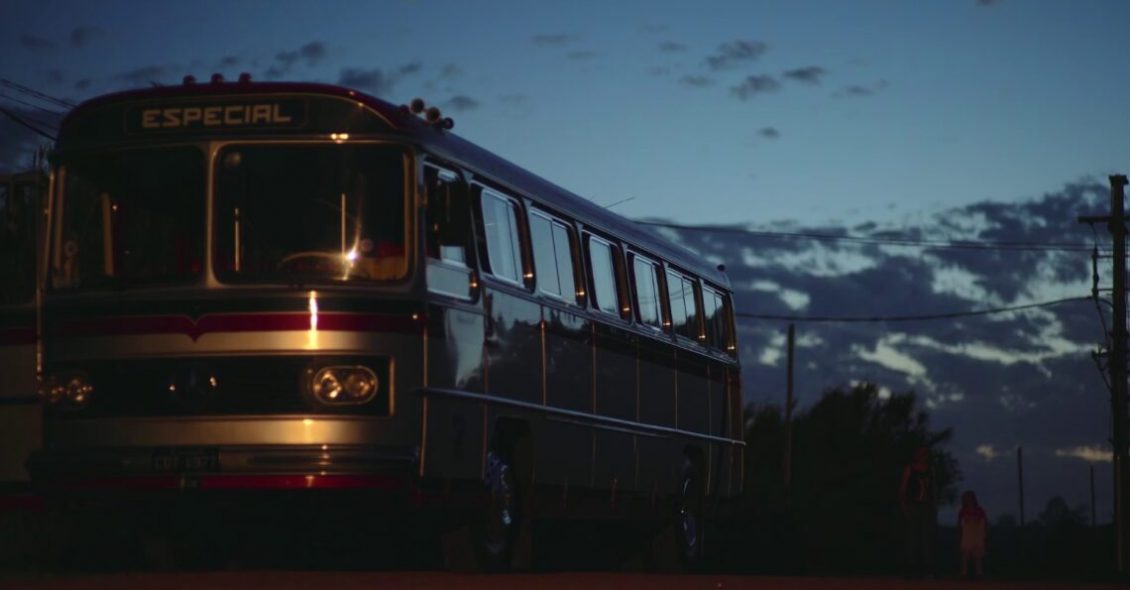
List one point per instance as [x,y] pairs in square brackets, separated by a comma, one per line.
[344,385]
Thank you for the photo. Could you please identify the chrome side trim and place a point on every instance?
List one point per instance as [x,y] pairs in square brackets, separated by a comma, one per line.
[584,417]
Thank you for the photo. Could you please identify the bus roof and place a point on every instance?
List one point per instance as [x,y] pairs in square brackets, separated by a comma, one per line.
[400,121]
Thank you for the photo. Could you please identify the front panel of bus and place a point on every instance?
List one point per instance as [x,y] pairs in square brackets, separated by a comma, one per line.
[231,296]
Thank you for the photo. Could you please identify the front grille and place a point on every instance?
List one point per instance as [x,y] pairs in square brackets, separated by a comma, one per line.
[217,386]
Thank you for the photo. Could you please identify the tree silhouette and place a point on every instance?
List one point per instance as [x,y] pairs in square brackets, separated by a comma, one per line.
[849,450]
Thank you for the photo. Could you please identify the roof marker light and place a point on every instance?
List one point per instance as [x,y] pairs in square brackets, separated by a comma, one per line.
[244,78]
[217,78]
[417,106]
[189,80]
[433,115]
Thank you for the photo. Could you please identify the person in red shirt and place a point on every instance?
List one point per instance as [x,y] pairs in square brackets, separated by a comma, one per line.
[972,526]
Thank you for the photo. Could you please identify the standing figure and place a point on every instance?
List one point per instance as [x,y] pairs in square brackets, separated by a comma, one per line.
[972,526]
[917,500]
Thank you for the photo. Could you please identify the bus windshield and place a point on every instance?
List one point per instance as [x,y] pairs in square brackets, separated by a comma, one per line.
[301,213]
[131,217]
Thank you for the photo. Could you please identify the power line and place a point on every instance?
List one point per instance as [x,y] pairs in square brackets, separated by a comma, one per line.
[953,244]
[907,318]
[36,93]
[29,104]
[21,121]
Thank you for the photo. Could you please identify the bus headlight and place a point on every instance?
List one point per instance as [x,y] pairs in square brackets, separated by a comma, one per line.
[69,390]
[344,385]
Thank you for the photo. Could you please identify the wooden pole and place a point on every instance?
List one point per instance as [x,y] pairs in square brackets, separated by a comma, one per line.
[1020,480]
[789,413]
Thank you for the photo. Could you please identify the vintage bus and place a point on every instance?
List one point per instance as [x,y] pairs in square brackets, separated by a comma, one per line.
[21,215]
[258,287]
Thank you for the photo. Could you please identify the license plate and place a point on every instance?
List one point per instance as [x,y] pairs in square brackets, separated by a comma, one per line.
[186,461]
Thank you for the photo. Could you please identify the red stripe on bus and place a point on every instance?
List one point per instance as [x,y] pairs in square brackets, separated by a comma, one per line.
[239,482]
[22,503]
[17,336]
[260,322]
[299,482]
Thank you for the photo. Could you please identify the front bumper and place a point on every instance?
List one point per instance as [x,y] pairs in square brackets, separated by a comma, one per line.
[229,467]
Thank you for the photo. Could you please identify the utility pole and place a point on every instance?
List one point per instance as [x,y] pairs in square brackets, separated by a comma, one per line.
[789,414]
[1020,480]
[1116,223]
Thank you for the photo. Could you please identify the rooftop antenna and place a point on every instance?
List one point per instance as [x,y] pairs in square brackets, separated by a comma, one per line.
[620,202]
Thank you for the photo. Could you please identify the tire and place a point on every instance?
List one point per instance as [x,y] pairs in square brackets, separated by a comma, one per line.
[499,525]
[689,521]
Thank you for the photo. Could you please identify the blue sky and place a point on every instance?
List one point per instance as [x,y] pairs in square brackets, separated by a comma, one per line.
[965,100]
[968,119]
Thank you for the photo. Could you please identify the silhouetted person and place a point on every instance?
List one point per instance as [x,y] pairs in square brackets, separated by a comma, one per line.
[972,527]
[916,498]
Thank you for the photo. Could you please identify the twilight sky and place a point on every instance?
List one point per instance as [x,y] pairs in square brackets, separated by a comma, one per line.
[992,120]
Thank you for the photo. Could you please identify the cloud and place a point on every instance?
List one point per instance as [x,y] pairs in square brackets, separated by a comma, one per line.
[809,74]
[733,53]
[1090,454]
[83,83]
[769,132]
[754,85]
[553,40]
[696,81]
[312,53]
[372,80]
[659,71]
[654,28]
[672,47]
[461,103]
[990,453]
[1000,380]
[581,55]
[145,75]
[514,99]
[858,90]
[228,61]
[450,71]
[37,43]
[988,2]
[82,36]
[409,68]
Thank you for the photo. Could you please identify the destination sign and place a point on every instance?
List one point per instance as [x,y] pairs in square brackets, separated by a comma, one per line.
[227,115]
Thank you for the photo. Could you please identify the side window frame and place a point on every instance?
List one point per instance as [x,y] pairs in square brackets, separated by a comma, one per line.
[571,294]
[684,278]
[522,265]
[439,265]
[623,309]
[657,271]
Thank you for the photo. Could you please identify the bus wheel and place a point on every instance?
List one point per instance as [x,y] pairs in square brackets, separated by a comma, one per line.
[501,532]
[689,522]
[496,527]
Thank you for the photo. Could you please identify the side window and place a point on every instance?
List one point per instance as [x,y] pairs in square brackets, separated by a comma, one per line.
[448,231]
[503,243]
[645,275]
[553,256]
[606,293]
[684,306]
[448,234]
[564,245]
[716,319]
